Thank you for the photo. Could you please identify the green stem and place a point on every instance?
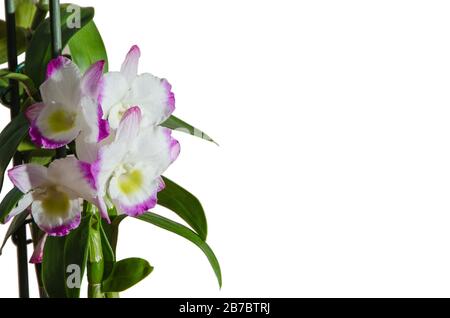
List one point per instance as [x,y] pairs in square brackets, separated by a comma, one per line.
[55,28]
[21,233]
[95,264]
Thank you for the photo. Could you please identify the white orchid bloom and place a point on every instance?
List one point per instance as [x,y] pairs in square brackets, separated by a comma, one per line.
[126,89]
[127,170]
[70,106]
[55,194]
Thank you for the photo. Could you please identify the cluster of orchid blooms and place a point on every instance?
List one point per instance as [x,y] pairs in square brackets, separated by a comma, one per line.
[121,149]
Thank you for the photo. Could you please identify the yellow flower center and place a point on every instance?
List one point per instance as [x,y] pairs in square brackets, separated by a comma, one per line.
[56,203]
[130,182]
[61,121]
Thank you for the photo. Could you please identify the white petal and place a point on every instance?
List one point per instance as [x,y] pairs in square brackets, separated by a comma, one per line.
[156,147]
[74,176]
[63,83]
[130,66]
[115,87]
[154,96]
[28,176]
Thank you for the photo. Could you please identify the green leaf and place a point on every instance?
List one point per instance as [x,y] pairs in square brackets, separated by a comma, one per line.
[108,254]
[21,41]
[76,252]
[177,124]
[53,269]
[186,205]
[188,234]
[87,47]
[126,273]
[10,138]
[40,156]
[25,10]
[13,227]
[39,51]
[9,202]
[59,253]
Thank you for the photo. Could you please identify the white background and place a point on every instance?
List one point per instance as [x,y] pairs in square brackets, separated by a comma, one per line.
[333,117]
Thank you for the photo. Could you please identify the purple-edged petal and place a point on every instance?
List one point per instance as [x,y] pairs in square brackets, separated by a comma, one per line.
[56,214]
[92,80]
[62,85]
[170,95]
[155,97]
[129,125]
[93,127]
[138,198]
[28,176]
[54,126]
[55,65]
[173,145]
[130,66]
[103,125]
[38,252]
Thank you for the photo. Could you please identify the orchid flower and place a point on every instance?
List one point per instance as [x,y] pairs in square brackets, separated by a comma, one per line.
[126,88]
[55,194]
[127,170]
[70,106]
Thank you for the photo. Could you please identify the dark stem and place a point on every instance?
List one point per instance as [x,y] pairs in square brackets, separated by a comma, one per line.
[21,233]
[55,29]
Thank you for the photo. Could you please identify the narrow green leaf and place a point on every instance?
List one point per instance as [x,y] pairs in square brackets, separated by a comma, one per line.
[10,138]
[39,51]
[126,273]
[184,204]
[76,253]
[13,227]
[9,202]
[177,124]
[53,269]
[112,230]
[188,234]
[27,82]
[108,254]
[21,41]
[87,47]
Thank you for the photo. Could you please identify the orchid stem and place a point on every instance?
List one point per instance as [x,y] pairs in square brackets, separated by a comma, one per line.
[95,264]
[21,233]
[55,28]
